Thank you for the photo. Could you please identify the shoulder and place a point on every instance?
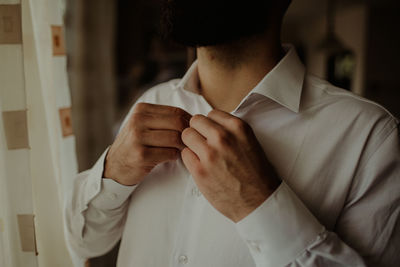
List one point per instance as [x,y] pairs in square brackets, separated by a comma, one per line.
[322,96]
[347,115]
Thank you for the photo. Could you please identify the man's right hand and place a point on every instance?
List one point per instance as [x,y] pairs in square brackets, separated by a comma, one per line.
[152,135]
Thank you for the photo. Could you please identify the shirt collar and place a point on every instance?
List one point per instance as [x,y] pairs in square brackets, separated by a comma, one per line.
[283,84]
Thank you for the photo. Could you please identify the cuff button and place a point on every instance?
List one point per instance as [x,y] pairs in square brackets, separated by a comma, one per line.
[183,259]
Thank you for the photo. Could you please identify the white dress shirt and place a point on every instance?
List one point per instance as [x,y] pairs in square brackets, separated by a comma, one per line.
[338,205]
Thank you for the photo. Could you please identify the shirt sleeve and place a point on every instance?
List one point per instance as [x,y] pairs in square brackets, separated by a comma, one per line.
[283,232]
[96,212]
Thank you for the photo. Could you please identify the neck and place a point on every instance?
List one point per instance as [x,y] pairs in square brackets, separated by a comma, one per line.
[227,73]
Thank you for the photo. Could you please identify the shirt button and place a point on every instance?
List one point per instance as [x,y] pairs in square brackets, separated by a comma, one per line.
[196,192]
[254,246]
[112,196]
[183,259]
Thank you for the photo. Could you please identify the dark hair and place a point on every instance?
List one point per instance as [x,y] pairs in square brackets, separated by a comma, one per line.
[213,22]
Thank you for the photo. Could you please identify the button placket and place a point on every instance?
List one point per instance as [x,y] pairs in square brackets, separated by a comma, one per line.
[180,257]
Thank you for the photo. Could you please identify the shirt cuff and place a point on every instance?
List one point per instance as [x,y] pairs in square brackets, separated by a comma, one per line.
[112,194]
[280,229]
[105,193]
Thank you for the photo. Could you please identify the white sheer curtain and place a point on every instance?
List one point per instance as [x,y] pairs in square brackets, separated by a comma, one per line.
[36,170]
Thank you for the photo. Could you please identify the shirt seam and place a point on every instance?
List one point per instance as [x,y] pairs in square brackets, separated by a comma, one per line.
[376,148]
[350,95]
[378,144]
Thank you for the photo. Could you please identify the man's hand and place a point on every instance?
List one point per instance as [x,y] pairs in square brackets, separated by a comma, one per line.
[152,135]
[228,164]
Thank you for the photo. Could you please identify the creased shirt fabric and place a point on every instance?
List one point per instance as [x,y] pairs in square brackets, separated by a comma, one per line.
[337,154]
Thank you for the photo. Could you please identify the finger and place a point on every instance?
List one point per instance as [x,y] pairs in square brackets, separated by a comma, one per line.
[159,121]
[228,121]
[205,126]
[160,109]
[160,154]
[162,138]
[195,141]
[191,161]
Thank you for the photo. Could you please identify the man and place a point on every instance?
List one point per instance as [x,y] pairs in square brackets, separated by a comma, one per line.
[274,168]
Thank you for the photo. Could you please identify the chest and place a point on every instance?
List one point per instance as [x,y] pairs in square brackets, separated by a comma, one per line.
[170,221]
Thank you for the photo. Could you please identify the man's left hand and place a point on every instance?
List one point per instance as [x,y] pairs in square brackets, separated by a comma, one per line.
[228,164]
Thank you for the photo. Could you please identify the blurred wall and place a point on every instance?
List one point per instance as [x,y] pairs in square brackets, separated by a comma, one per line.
[90,30]
[383,56]
[369,28]
[350,27]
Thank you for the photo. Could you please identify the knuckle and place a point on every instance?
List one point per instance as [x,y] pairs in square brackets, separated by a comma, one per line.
[238,125]
[199,170]
[223,138]
[195,119]
[140,107]
[211,113]
[210,155]
[180,123]
[222,134]
[177,111]
[175,138]
[146,169]
[136,118]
